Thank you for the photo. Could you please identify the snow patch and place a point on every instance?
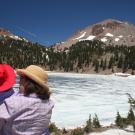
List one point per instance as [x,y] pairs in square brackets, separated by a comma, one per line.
[66,51]
[121,36]
[81,40]
[130,128]
[122,74]
[117,39]
[91,37]
[104,39]
[47,57]
[15,37]
[109,35]
[81,36]
[5,35]
[25,39]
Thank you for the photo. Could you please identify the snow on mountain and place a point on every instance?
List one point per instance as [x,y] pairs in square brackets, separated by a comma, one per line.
[15,37]
[117,39]
[120,36]
[91,37]
[109,31]
[25,39]
[104,39]
[109,35]
[7,34]
[47,57]
[81,36]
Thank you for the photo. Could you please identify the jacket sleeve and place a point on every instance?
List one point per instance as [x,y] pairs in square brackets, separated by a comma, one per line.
[4,115]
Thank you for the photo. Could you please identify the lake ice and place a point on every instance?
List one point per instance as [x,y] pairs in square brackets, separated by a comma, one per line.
[78,95]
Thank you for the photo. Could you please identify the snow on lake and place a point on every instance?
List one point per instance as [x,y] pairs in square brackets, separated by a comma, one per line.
[78,95]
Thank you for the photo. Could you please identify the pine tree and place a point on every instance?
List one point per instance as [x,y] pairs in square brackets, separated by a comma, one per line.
[120,62]
[111,62]
[131,116]
[118,120]
[96,66]
[88,127]
[96,123]
[101,63]
[105,64]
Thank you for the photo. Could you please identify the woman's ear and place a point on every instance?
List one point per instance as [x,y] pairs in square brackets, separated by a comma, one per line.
[21,89]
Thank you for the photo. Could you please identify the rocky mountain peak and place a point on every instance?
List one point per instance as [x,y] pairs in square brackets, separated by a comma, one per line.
[109,31]
[7,34]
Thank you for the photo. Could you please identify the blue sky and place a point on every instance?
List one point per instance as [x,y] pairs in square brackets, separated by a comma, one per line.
[51,21]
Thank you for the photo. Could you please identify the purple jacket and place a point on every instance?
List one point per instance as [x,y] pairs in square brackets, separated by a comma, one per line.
[20,115]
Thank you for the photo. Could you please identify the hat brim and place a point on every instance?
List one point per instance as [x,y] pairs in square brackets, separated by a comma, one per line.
[23,72]
[10,80]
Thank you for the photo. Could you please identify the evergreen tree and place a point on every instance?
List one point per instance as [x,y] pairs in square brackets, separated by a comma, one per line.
[111,62]
[88,127]
[118,120]
[131,116]
[96,66]
[105,64]
[96,123]
[101,63]
[120,62]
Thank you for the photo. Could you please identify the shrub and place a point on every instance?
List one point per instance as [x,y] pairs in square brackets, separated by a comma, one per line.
[77,131]
[53,128]
[131,116]
[88,127]
[96,123]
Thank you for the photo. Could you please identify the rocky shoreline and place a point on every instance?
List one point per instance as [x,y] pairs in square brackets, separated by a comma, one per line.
[102,130]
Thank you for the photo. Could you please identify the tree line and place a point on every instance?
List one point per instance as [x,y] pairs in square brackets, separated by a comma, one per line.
[82,56]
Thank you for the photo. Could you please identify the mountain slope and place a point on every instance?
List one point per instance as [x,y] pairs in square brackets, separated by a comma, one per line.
[87,55]
[109,31]
[7,34]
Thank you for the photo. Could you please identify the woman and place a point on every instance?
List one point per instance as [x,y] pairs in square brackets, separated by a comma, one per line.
[30,112]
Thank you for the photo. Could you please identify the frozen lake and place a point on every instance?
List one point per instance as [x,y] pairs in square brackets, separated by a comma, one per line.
[78,95]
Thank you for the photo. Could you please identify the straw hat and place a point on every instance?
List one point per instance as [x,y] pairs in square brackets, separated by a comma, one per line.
[36,74]
[7,77]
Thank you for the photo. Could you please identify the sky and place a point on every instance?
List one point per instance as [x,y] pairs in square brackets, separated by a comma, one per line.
[51,21]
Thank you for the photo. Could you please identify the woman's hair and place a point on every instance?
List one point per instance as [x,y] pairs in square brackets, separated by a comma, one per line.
[33,87]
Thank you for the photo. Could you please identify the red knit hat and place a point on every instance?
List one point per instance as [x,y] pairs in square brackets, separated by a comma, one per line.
[7,77]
